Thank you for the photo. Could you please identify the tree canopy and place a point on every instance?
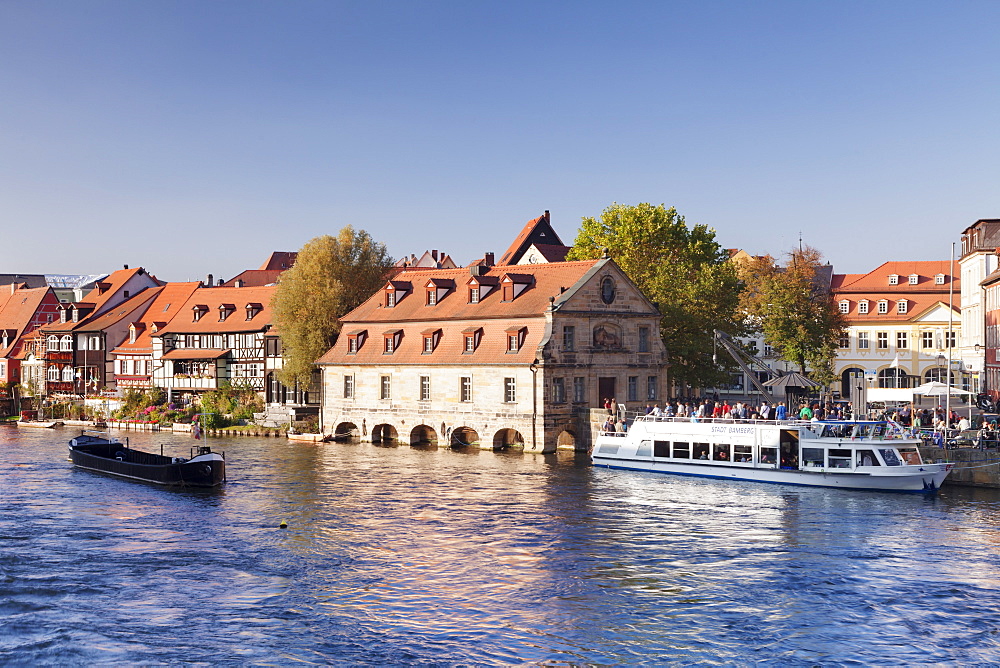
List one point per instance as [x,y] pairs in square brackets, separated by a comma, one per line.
[682,269]
[793,308]
[331,276]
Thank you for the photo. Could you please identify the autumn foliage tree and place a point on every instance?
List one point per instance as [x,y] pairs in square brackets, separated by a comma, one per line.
[683,270]
[792,306]
[331,276]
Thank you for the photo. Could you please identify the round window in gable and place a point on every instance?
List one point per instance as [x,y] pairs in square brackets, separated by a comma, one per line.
[607,290]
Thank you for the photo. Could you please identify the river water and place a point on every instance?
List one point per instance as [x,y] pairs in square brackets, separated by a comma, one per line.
[400,555]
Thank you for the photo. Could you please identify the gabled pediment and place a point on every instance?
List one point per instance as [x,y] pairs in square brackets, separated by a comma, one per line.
[937,313]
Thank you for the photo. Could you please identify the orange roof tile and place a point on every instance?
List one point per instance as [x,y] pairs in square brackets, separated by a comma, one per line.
[211,299]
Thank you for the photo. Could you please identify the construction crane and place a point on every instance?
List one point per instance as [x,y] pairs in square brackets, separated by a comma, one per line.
[745,361]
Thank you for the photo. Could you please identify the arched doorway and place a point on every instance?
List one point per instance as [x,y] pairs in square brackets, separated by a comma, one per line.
[938,374]
[566,440]
[850,380]
[508,438]
[383,433]
[346,430]
[893,378]
[423,435]
[461,436]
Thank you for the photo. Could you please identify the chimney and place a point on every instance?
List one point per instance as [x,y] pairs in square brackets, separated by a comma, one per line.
[488,260]
[208,283]
[434,254]
[126,266]
[239,282]
[546,216]
[221,282]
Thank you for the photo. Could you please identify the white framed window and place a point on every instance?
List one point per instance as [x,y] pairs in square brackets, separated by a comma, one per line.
[844,341]
[882,340]
[510,390]
[883,306]
[845,306]
[67,374]
[901,306]
[863,307]
[465,388]
[66,343]
[473,295]
[349,386]
[52,374]
[385,387]
[939,279]
[893,279]
[863,342]
[926,339]
[52,342]
[913,279]
[902,340]
[425,388]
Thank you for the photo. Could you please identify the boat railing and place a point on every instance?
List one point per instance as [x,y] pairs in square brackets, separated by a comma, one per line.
[649,417]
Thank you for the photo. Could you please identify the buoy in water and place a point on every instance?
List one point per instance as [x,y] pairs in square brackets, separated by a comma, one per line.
[283,525]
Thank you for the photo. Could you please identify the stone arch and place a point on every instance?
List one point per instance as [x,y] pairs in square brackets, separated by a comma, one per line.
[854,373]
[346,430]
[508,438]
[464,436]
[384,433]
[566,439]
[423,435]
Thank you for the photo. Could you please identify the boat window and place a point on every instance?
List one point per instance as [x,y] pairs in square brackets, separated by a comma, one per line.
[645,447]
[878,431]
[812,457]
[890,457]
[839,459]
[768,456]
[720,452]
[661,448]
[867,458]
[910,456]
[608,449]
[682,450]
[701,451]
[863,431]
[742,453]
[837,430]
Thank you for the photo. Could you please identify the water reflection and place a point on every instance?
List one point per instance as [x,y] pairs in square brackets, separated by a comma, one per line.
[404,555]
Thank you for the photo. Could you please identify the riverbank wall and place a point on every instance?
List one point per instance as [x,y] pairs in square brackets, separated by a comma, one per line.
[973,467]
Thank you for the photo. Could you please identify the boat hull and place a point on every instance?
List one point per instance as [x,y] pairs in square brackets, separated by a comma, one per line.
[205,470]
[926,480]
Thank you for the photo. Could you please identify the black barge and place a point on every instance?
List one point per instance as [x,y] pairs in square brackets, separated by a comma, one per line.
[98,452]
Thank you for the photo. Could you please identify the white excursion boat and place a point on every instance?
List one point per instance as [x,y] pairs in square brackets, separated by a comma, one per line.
[847,454]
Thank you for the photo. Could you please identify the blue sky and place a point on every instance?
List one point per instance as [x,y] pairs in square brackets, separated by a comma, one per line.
[196,137]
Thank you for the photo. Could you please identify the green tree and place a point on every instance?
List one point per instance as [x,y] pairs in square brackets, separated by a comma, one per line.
[330,277]
[683,270]
[793,308]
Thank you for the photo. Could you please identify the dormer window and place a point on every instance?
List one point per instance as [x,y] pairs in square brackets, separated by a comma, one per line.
[901,306]
[863,307]
[437,289]
[198,311]
[253,308]
[431,339]
[515,338]
[75,315]
[474,295]
[432,297]
[394,292]
[62,315]
[392,339]
[471,338]
[845,306]
[513,285]
[939,279]
[893,279]
[225,310]
[355,340]
[132,333]
[883,306]
[913,279]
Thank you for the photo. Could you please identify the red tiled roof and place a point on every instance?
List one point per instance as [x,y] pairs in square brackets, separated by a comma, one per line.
[254,278]
[877,280]
[279,261]
[538,231]
[212,298]
[164,308]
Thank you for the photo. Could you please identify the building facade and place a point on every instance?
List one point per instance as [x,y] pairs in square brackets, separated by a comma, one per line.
[493,356]
[903,325]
